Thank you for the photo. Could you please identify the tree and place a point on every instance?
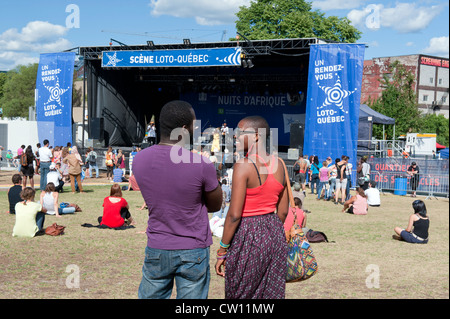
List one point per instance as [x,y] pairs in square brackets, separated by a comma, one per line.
[398,100]
[433,123]
[18,91]
[279,19]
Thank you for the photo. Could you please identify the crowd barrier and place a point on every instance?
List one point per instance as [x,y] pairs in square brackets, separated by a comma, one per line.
[431,185]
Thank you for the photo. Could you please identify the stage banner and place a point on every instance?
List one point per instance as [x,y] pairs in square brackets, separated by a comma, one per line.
[280,110]
[333,100]
[172,58]
[54,97]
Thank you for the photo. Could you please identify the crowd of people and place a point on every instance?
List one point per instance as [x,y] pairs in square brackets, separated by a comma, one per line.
[250,196]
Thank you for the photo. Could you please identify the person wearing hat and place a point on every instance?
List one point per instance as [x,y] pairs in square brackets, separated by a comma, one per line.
[54,176]
[413,171]
[373,194]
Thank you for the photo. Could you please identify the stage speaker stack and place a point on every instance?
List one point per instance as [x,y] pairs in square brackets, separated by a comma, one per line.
[297,132]
[97,127]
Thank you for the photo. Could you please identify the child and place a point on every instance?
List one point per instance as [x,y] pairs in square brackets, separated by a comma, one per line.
[115,209]
[30,216]
[301,218]
[14,193]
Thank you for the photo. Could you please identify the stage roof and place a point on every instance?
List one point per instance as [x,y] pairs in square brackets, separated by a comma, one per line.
[249,47]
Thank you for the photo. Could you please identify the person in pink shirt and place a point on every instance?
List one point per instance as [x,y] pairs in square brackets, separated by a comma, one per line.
[323,176]
[357,204]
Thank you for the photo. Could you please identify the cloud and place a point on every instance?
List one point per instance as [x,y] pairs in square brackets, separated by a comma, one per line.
[438,46]
[326,5]
[404,17]
[205,12]
[22,47]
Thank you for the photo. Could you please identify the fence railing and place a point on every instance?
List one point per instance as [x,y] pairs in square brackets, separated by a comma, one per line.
[431,185]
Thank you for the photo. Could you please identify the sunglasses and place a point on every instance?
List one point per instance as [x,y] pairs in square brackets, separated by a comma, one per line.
[238,132]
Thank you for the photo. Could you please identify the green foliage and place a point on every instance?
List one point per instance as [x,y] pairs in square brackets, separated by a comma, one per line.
[18,91]
[432,123]
[280,19]
[398,100]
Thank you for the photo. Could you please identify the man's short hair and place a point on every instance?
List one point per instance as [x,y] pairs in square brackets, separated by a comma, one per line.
[16,179]
[46,142]
[175,114]
[373,183]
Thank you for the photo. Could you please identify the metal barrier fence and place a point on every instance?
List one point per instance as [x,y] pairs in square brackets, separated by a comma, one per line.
[431,185]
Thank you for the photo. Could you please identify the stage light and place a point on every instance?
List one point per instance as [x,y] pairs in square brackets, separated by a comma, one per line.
[232,80]
[190,80]
[150,44]
[250,64]
[186,41]
[244,64]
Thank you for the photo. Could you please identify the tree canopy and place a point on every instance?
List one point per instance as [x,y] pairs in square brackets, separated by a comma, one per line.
[399,100]
[280,19]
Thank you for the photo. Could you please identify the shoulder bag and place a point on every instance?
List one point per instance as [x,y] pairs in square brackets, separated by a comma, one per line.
[301,262]
[55,230]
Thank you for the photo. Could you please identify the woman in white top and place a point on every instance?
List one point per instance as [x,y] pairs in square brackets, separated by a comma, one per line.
[49,200]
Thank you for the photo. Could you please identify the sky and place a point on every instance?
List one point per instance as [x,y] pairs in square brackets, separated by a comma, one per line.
[29,27]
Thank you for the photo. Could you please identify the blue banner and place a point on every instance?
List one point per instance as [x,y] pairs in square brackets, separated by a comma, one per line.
[173,58]
[333,100]
[54,97]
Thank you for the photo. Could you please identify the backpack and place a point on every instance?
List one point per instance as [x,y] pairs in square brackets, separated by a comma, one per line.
[92,157]
[296,168]
[316,236]
[23,160]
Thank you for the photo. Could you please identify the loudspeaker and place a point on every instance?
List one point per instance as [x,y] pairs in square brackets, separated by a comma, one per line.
[297,132]
[97,127]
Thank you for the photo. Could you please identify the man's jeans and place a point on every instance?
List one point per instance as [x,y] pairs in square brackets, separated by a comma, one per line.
[189,268]
[45,168]
[90,169]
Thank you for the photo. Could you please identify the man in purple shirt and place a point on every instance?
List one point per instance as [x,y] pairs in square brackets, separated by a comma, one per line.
[179,188]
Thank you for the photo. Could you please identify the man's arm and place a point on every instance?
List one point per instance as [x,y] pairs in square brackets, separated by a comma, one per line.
[213,199]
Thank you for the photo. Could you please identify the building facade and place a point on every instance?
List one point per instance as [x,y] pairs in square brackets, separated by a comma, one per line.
[431,80]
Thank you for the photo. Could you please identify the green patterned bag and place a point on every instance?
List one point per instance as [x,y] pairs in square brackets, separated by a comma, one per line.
[301,262]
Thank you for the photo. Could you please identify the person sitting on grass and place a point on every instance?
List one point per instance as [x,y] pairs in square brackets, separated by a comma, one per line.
[49,200]
[115,210]
[30,216]
[118,176]
[14,193]
[357,204]
[418,225]
[301,218]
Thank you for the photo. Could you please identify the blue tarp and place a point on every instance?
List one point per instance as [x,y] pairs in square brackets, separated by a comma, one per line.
[444,153]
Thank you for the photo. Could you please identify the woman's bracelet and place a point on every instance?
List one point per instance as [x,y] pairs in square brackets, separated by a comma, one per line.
[221,255]
[223,245]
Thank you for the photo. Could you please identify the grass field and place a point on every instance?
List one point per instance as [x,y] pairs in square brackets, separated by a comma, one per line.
[362,254]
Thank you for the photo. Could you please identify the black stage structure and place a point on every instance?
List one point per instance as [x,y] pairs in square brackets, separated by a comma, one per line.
[121,101]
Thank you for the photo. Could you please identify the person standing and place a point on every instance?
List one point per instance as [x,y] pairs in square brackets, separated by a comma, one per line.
[178,232]
[315,179]
[341,180]
[91,159]
[413,171]
[109,163]
[27,168]
[45,157]
[74,161]
[253,247]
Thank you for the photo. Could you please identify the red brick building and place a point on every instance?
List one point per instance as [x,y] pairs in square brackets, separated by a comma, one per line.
[431,80]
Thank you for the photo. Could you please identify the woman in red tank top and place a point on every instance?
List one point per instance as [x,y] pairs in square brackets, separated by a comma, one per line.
[253,247]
